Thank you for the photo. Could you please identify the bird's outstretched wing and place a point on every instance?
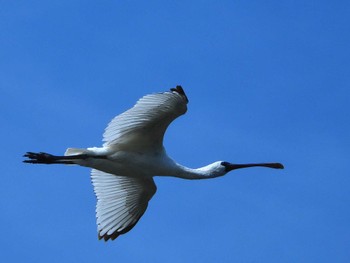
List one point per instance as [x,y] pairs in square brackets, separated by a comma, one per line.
[121,201]
[142,127]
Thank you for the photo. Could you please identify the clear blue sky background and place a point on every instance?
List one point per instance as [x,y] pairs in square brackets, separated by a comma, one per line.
[267,81]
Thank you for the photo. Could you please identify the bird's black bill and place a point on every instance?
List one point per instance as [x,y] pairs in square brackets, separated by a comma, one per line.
[231,166]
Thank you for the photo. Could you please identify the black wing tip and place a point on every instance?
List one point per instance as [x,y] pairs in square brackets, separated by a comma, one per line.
[179,90]
[117,233]
[107,237]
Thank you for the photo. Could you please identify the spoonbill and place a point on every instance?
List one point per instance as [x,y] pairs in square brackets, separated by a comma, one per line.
[132,154]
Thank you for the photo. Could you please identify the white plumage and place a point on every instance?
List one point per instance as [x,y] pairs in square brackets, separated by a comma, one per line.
[142,127]
[121,201]
[132,154]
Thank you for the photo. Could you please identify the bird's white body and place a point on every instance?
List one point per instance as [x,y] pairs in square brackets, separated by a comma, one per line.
[141,165]
[132,154]
[131,164]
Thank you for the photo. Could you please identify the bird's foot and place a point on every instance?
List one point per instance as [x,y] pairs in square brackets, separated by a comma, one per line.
[40,157]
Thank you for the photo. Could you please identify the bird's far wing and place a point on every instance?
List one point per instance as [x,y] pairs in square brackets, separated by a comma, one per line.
[121,201]
[142,127]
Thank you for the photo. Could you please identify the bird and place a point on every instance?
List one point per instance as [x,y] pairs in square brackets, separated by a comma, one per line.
[132,154]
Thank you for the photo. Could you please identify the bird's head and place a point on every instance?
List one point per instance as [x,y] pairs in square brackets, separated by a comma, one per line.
[221,168]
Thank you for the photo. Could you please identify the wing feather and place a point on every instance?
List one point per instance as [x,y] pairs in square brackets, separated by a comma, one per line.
[121,201]
[143,126]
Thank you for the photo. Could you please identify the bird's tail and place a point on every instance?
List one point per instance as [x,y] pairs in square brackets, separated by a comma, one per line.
[75,151]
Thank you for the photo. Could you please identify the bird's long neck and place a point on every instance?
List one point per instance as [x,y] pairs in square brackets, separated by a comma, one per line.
[205,172]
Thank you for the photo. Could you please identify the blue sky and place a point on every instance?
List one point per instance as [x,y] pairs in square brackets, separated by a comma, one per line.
[267,81]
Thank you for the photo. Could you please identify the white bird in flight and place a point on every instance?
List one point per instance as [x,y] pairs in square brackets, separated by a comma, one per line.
[132,154]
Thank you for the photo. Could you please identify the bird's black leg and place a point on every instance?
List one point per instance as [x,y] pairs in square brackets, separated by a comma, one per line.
[46,158]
